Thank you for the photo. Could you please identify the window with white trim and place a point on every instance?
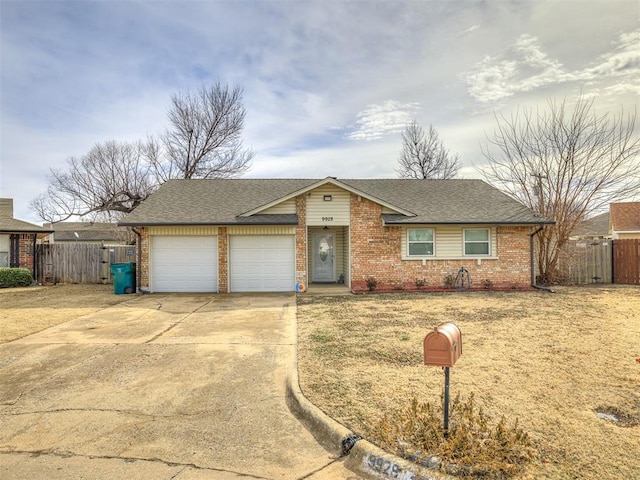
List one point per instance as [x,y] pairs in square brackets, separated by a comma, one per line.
[477,241]
[420,242]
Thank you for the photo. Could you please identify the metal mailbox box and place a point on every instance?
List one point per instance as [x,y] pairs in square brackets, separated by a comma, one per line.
[443,346]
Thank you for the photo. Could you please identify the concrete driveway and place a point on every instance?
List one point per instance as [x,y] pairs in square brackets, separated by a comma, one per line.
[180,386]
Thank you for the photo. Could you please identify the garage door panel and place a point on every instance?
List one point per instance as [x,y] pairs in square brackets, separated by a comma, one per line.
[262,263]
[184,264]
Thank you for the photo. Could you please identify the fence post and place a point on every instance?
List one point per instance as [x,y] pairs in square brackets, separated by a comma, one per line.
[613,261]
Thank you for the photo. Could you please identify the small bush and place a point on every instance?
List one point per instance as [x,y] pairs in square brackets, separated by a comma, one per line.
[15,277]
[473,448]
[371,283]
[448,281]
[421,282]
[488,284]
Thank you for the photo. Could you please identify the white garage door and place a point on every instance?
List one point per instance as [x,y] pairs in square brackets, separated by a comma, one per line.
[262,263]
[184,264]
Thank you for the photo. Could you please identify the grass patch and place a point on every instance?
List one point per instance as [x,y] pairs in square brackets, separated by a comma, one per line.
[550,361]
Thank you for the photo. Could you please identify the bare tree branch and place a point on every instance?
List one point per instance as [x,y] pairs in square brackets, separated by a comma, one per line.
[424,156]
[565,163]
[112,177]
[205,138]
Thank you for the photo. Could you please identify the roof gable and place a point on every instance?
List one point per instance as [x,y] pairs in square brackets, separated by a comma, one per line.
[329,181]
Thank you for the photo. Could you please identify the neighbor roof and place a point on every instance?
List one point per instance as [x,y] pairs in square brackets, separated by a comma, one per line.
[8,224]
[625,217]
[87,231]
[227,201]
[597,226]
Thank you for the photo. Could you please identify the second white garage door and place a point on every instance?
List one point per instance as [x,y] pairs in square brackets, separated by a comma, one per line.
[184,264]
[262,263]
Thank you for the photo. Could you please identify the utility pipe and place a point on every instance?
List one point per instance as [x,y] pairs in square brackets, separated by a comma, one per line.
[139,265]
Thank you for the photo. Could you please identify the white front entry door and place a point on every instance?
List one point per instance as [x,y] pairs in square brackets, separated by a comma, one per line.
[324,266]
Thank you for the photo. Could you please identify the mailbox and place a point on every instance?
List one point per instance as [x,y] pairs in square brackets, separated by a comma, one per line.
[443,346]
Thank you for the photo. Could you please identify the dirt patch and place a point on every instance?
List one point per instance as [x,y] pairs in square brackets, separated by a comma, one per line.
[28,310]
[548,360]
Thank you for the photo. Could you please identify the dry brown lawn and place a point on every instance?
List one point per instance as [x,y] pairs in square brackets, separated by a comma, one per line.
[28,310]
[549,360]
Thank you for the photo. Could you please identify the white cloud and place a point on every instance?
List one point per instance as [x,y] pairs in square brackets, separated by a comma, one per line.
[472,28]
[524,66]
[378,120]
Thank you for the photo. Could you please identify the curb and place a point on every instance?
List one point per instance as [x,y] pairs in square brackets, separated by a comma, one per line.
[364,457]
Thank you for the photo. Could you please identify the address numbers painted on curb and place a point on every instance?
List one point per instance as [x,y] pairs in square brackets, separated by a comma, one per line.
[382,467]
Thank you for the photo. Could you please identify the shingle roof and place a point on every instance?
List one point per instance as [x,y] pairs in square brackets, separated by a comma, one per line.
[597,226]
[87,231]
[8,224]
[625,217]
[205,202]
[448,201]
[223,201]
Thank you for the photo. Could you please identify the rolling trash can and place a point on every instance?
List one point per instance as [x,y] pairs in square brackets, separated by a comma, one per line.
[123,276]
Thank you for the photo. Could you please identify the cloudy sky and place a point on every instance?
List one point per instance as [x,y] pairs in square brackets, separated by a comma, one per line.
[328,85]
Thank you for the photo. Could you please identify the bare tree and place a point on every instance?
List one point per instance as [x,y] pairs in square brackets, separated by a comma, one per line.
[204,140]
[111,180]
[565,163]
[424,156]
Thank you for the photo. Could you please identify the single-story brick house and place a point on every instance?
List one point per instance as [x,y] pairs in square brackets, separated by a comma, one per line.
[253,235]
[18,239]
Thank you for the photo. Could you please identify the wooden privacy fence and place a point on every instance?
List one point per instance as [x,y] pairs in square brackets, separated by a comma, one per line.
[79,263]
[626,261]
[585,262]
[601,261]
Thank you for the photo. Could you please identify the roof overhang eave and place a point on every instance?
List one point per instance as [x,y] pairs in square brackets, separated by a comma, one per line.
[200,224]
[512,224]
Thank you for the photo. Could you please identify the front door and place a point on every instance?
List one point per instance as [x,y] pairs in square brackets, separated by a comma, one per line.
[324,269]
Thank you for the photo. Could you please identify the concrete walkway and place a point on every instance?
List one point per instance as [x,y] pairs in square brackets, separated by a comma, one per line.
[162,387]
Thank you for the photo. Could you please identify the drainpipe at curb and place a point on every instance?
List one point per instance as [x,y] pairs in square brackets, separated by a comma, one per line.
[533,273]
[139,266]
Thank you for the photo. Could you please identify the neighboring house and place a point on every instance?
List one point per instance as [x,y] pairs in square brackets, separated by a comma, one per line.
[625,220]
[594,228]
[108,234]
[18,239]
[243,235]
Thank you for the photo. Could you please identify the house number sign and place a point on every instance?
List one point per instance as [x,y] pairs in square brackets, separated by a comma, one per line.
[327,219]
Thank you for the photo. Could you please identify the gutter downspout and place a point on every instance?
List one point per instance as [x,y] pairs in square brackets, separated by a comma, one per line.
[139,266]
[533,278]
[34,258]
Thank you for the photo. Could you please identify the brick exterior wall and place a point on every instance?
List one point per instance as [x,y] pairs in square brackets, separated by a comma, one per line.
[25,254]
[143,263]
[301,240]
[223,264]
[376,252]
